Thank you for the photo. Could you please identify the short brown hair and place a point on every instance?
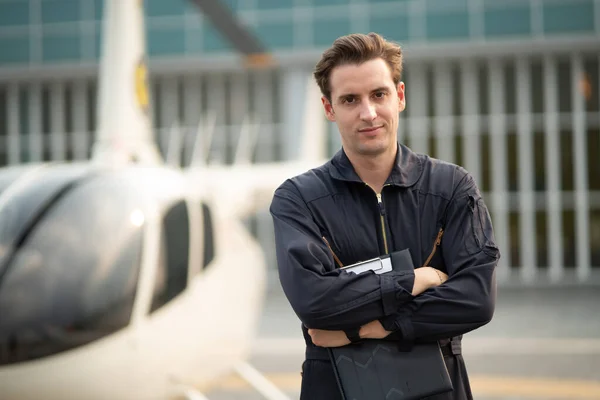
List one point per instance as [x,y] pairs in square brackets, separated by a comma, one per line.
[357,48]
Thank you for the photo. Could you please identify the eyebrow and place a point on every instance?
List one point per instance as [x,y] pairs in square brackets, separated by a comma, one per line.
[379,89]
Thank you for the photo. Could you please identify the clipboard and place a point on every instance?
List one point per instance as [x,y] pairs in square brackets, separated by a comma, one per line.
[379,265]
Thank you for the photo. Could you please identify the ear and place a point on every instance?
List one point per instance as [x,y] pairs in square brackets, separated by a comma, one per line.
[328,109]
[401,96]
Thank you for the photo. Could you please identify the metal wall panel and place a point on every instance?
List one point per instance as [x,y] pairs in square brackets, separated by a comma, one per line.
[553,168]
[525,153]
[36,138]
[444,120]
[540,211]
[471,121]
[498,154]
[582,214]
[57,122]
[80,136]
[13,119]
[416,105]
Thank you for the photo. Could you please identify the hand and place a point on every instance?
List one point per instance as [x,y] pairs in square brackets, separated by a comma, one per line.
[426,278]
[323,338]
[373,330]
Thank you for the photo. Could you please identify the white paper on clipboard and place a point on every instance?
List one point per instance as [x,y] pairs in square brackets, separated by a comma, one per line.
[378,265]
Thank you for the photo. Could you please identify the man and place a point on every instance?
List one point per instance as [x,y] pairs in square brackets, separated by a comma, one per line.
[372,198]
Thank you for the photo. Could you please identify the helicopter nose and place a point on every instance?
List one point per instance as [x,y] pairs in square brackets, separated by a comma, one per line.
[69,260]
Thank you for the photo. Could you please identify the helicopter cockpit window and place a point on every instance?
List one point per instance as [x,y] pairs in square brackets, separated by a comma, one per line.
[209,242]
[73,280]
[171,277]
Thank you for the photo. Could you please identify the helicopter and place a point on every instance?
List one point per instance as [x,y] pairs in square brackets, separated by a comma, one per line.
[125,277]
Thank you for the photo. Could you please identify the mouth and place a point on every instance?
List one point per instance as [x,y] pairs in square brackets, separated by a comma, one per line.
[372,130]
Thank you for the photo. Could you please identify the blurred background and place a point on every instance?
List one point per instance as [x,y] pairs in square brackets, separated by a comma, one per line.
[508,89]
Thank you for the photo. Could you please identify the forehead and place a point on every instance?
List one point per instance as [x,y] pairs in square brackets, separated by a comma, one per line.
[360,78]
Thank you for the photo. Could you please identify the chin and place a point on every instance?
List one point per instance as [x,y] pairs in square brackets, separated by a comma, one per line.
[374,149]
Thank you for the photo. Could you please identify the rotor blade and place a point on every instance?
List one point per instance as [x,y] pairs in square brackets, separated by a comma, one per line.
[228,25]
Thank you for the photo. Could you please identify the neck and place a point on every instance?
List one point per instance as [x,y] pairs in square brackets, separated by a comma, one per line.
[374,170]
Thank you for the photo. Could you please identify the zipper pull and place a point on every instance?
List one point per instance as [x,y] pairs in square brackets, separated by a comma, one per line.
[380,204]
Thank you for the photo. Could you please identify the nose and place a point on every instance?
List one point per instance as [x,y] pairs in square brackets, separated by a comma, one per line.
[368,112]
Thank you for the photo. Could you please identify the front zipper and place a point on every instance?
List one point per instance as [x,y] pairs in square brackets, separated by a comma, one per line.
[382,216]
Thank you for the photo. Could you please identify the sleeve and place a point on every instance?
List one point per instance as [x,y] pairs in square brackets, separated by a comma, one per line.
[322,296]
[466,300]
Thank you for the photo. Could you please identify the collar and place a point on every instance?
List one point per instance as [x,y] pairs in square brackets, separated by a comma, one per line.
[407,168]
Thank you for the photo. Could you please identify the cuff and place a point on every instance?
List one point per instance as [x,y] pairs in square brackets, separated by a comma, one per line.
[404,325]
[396,290]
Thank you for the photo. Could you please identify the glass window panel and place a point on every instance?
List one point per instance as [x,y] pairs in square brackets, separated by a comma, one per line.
[89,43]
[509,20]
[510,85]
[171,278]
[537,86]
[572,16]
[160,8]
[327,30]
[539,161]
[593,155]
[446,4]
[98,9]
[278,34]
[449,25]
[590,84]
[512,154]
[61,47]
[14,13]
[166,41]
[14,49]
[392,27]
[269,4]
[209,242]
[213,41]
[569,239]
[541,229]
[565,89]
[566,160]
[233,4]
[595,236]
[193,43]
[331,2]
[98,42]
[61,11]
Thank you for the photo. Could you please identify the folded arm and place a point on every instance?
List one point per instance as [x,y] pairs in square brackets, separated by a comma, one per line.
[323,296]
[466,300]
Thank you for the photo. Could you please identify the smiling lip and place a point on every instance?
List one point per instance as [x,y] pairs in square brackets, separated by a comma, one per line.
[370,129]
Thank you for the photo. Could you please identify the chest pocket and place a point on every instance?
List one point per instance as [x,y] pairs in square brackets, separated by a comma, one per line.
[434,259]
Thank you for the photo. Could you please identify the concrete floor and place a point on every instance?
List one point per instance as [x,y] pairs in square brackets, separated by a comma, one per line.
[543,343]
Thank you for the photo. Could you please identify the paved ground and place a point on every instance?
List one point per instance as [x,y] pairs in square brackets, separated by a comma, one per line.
[541,344]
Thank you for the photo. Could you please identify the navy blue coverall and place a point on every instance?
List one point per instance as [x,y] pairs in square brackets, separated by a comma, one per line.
[330,210]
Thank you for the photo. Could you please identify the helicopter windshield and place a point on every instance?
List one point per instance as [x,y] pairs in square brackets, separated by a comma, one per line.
[74,277]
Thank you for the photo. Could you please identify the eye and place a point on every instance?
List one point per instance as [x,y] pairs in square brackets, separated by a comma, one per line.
[348,100]
[380,95]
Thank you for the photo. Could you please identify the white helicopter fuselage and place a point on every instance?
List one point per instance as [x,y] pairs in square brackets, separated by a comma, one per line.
[187,342]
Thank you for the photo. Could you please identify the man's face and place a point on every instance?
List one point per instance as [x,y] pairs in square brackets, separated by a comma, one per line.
[365,104]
